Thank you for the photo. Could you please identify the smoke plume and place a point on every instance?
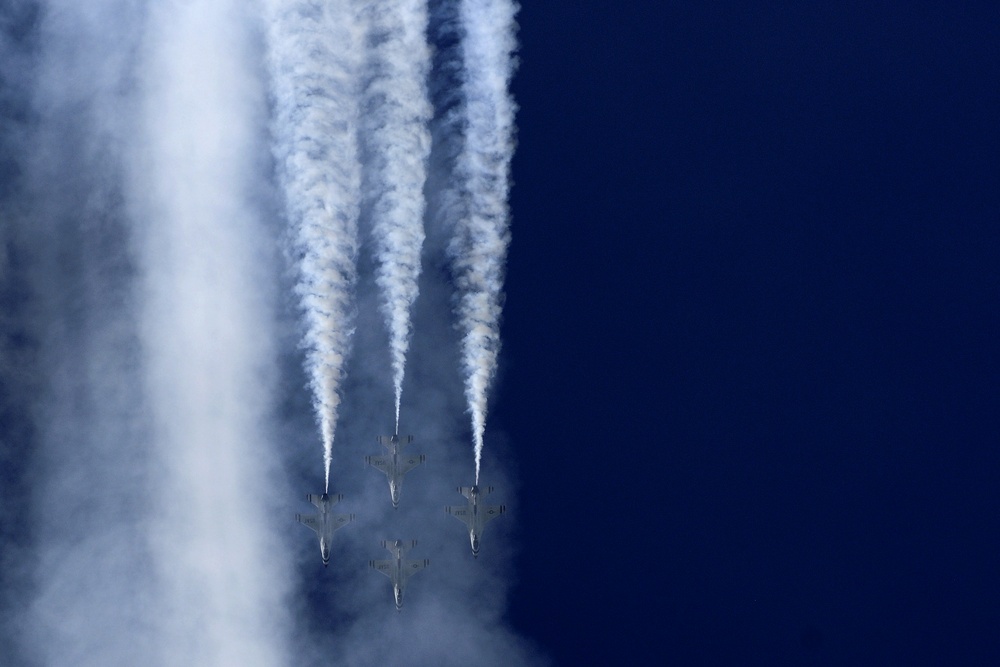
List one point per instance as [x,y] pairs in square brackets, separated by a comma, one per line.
[396,142]
[205,320]
[482,169]
[314,68]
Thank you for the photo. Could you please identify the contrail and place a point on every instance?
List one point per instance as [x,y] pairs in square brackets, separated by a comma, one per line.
[479,246]
[396,142]
[313,70]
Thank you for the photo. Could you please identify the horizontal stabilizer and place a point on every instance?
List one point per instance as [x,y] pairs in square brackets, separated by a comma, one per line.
[389,439]
[328,499]
[467,490]
[403,546]
[391,544]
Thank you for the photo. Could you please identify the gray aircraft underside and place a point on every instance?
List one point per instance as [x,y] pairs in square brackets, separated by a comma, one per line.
[394,463]
[475,516]
[398,570]
[326,522]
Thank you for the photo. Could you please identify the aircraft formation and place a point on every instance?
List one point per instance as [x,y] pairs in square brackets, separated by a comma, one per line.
[394,464]
[359,122]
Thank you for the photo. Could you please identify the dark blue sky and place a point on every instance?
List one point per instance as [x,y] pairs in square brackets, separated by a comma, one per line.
[750,340]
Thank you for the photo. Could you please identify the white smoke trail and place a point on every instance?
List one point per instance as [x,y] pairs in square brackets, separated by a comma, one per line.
[206,330]
[397,142]
[313,63]
[479,248]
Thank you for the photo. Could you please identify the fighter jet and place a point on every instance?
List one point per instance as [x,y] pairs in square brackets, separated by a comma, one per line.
[394,464]
[325,523]
[397,569]
[474,515]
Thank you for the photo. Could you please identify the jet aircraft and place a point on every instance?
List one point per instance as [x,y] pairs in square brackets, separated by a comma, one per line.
[474,515]
[397,569]
[394,464]
[325,523]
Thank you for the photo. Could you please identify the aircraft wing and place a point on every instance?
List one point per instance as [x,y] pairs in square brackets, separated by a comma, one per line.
[380,462]
[383,566]
[310,520]
[460,512]
[341,520]
[492,512]
[408,463]
[412,567]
